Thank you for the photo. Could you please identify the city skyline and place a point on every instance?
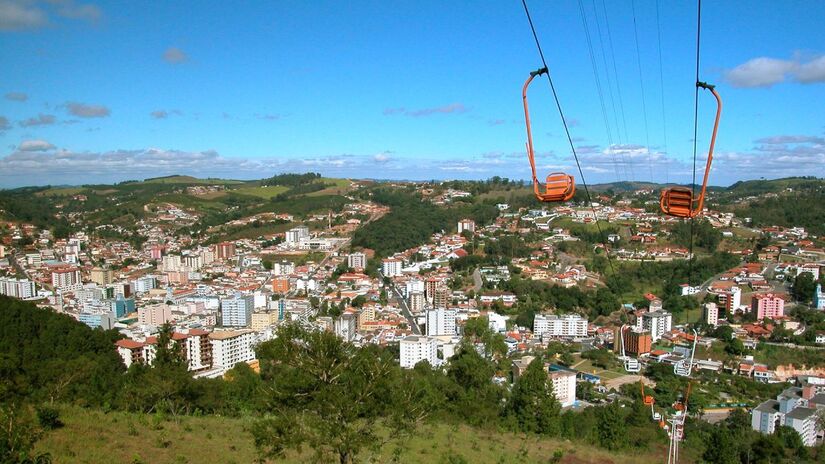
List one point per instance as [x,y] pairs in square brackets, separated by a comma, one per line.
[99,93]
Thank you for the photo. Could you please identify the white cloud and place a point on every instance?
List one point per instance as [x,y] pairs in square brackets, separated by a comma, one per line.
[18,15]
[163,114]
[35,145]
[452,108]
[383,157]
[812,71]
[760,72]
[4,124]
[175,55]
[765,71]
[17,96]
[70,9]
[39,120]
[83,110]
[777,156]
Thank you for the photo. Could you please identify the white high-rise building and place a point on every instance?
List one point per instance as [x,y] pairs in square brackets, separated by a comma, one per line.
[237,311]
[232,347]
[296,235]
[66,279]
[283,268]
[144,284]
[172,263]
[657,322]
[711,314]
[414,285]
[416,348]
[466,224]
[441,321]
[357,260]
[391,267]
[17,288]
[346,326]
[551,325]
[564,387]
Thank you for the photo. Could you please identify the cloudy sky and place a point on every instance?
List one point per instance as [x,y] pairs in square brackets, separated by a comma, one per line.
[107,91]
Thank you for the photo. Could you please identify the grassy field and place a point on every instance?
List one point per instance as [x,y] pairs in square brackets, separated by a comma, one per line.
[337,187]
[61,191]
[262,192]
[586,365]
[117,437]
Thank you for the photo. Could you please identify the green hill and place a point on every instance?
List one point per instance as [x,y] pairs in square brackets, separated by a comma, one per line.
[757,187]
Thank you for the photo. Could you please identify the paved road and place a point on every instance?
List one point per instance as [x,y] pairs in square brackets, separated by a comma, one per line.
[798,347]
[405,310]
[477,282]
[13,261]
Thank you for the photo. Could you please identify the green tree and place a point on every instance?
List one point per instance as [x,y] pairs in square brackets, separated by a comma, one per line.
[533,403]
[18,435]
[721,447]
[165,386]
[331,396]
[477,330]
[610,427]
[803,287]
[475,398]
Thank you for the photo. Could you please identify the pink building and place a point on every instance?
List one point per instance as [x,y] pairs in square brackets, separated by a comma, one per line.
[156,252]
[768,305]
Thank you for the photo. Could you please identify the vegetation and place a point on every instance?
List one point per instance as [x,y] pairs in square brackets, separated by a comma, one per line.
[383,237]
[805,208]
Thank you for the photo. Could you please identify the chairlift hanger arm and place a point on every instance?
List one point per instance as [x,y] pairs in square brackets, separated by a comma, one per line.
[558,186]
[682,202]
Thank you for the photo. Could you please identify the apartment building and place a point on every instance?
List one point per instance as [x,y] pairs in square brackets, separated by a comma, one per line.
[237,311]
[768,305]
[416,348]
[566,326]
[441,321]
[416,302]
[466,224]
[17,288]
[231,347]
[357,260]
[101,276]
[224,250]
[657,323]
[795,407]
[67,279]
[391,267]
[711,314]
[564,386]
[156,314]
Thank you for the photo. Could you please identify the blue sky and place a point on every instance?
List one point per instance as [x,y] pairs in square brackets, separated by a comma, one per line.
[107,91]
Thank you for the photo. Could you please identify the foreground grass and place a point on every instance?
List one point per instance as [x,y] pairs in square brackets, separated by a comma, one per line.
[92,437]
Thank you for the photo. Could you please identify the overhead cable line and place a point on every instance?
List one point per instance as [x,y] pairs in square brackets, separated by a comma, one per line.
[695,132]
[662,85]
[618,87]
[642,86]
[599,89]
[567,132]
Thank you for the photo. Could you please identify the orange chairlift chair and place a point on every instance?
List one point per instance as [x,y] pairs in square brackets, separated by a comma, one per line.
[558,186]
[680,201]
[681,405]
[646,399]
